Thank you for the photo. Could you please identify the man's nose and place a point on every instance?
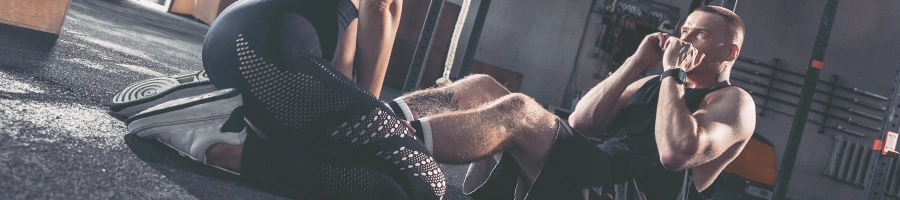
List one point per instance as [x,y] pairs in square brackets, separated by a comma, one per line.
[689,38]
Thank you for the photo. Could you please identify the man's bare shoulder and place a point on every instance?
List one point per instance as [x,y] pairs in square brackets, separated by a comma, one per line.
[732,106]
[730,95]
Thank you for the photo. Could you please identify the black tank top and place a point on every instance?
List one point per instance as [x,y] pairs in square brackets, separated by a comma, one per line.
[330,18]
[630,140]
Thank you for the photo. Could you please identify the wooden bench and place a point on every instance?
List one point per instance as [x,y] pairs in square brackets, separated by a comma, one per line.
[183,6]
[208,10]
[41,15]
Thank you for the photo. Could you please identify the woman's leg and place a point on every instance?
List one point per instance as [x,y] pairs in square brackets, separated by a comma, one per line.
[378,22]
[345,54]
[346,50]
[298,100]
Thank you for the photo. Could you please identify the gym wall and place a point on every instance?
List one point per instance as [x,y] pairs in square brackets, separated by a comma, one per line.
[536,38]
[861,51]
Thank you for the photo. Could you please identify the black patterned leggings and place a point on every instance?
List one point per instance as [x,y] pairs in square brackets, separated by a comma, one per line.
[320,133]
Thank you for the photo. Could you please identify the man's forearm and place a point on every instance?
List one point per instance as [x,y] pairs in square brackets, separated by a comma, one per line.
[677,132]
[378,22]
[596,107]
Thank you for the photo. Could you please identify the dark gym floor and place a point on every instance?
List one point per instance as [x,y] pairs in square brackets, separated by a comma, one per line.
[57,140]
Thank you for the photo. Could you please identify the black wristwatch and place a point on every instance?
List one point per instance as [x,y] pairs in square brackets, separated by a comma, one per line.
[677,73]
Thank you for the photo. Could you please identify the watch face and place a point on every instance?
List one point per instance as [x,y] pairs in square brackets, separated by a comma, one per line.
[678,74]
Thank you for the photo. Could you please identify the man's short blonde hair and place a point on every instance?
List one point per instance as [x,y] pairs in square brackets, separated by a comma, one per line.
[735,24]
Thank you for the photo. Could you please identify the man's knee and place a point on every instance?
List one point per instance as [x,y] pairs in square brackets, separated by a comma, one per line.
[519,101]
[485,82]
[524,110]
[477,78]
[527,117]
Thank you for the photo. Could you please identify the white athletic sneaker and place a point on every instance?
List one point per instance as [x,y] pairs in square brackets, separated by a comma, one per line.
[148,93]
[191,125]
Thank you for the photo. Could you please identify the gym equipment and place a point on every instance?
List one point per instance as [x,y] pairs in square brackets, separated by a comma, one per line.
[477,27]
[454,41]
[885,150]
[852,100]
[697,3]
[756,162]
[751,175]
[783,91]
[414,76]
[832,127]
[743,73]
[208,10]
[42,15]
[659,19]
[812,77]
[776,69]
[185,7]
[886,181]
[730,4]
[422,47]
[623,26]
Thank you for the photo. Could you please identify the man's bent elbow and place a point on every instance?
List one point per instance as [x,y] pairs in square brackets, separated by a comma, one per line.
[674,162]
[579,123]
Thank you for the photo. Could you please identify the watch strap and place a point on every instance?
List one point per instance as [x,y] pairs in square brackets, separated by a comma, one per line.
[676,73]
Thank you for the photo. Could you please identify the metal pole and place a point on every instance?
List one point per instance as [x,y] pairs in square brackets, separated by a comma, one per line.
[879,164]
[472,47]
[768,91]
[809,86]
[730,4]
[834,79]
[694,5]
[422,47]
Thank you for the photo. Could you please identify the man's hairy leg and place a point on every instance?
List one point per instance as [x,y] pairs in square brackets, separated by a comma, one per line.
[464,94]
[514,123]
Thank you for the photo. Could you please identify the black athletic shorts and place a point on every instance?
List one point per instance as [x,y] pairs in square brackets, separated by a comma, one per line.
[575,169]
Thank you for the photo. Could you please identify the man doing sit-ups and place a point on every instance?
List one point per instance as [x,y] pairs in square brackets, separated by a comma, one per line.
[658,137]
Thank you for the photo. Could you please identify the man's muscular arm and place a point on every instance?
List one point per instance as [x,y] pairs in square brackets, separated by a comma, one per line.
[726,118]
[601,103]
[597,108]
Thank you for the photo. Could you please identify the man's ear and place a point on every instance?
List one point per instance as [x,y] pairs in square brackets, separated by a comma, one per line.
[735,52]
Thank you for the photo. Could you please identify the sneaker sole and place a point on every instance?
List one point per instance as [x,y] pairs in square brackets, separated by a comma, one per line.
[148,93]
